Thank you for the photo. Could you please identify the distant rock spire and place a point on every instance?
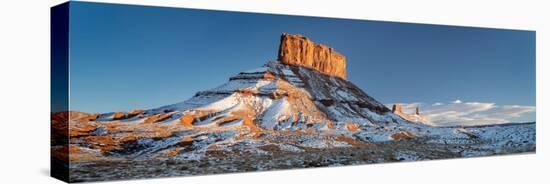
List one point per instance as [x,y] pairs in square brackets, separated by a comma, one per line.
[417,110]
[396,108]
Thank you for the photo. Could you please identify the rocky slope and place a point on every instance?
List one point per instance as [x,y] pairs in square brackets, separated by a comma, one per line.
[300,105]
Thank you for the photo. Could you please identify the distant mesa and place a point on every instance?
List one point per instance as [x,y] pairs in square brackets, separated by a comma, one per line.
[298,50]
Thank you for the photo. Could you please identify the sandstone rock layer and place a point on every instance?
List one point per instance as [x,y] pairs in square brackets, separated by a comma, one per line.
[298,50]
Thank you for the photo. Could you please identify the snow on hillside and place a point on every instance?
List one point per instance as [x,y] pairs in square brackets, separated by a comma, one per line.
[277,112]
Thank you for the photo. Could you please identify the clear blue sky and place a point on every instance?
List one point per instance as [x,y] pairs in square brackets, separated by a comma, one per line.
[127,57]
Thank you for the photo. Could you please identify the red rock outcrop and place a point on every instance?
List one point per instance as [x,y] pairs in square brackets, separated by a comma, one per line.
[158,118]
[134,113]
[402,135]
[118,116]
[187,120]
[298,50]
[352,127]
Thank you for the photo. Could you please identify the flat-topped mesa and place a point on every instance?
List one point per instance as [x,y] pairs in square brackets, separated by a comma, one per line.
[298,50]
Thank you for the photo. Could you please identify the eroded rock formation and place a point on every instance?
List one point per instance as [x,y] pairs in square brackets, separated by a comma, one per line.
[396,108]
[414,117]
[298,50]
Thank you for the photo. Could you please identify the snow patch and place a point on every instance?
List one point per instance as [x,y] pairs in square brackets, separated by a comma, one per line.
[278,111]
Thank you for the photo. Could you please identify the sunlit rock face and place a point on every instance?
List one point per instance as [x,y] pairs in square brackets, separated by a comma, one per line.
[298,50]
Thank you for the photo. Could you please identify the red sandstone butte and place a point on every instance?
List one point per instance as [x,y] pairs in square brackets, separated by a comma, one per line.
[298,50]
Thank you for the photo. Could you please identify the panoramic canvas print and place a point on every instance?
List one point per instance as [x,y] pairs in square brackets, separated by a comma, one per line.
[142,92]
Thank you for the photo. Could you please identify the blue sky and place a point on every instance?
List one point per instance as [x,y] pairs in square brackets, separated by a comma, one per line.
[127,57]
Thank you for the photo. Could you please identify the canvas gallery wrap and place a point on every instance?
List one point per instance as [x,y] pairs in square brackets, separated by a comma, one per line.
[144,92]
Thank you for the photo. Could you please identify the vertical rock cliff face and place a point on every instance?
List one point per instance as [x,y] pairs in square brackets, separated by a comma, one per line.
[298,50]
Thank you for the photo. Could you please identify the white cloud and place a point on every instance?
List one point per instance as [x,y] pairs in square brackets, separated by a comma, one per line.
[468,113]
[437,103]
